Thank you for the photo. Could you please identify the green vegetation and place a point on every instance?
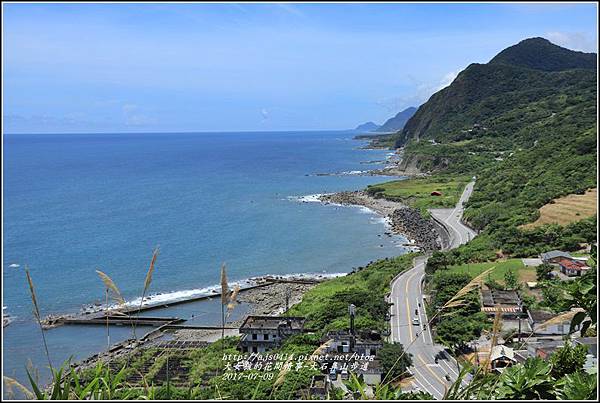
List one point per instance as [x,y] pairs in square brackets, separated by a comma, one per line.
[393,360]
[525,125]
[568,359]
[378,140]
[501,268]
[417,192]
[459,325]
[542,272]
[326,305]
[532,380]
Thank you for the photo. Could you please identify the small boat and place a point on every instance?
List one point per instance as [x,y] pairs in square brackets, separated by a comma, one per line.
[6,318]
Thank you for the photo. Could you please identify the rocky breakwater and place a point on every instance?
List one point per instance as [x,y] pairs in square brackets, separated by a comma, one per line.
[403,220]
[408,221]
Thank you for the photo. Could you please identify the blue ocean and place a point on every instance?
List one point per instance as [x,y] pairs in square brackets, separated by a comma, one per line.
[74,204]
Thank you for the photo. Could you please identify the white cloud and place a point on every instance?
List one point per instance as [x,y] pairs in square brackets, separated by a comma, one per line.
[134,118]
[264,112]
[426,90]
[447,80]
[573,40]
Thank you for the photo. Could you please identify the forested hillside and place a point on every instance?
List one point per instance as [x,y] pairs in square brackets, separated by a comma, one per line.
[524,124]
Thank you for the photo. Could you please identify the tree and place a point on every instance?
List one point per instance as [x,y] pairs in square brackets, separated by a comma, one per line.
[553,297]
[568,359]
[455,332]
[389,356]
[510,279]
[543,271]
[582,293]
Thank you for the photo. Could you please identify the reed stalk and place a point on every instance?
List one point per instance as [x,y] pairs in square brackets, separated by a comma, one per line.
[147,282]
[36,313]
[116,295]
[455,301]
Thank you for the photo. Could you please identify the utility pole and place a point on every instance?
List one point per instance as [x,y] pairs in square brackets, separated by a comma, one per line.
[520,314]
[288,294]
[352,312]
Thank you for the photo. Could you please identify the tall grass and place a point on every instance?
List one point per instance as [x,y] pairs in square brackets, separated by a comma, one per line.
[36,313]
[147,282]
[110,286]
[457,300]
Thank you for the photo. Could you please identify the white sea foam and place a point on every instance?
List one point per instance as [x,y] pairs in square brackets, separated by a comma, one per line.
[352,172]
[14,265]
[314,198]
[366,210]
[173,296]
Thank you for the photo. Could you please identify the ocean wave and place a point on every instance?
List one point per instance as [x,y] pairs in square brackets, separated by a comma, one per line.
[314,198]
[356,172]
[179,295]
[14,265]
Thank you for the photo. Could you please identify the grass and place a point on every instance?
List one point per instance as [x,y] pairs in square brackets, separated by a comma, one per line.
[567,209]
[501,267]
[326,305]
[417,192]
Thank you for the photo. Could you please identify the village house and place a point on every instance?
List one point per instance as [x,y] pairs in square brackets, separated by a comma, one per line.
[264,333]
[508,302]
[554,256]
[320,385]
[342,341]
[537,318]
[591,359]
[572,267]
[502,357]
[510,306]
[544,347]
[342,346]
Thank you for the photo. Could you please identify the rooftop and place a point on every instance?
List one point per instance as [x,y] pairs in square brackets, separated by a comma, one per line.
[538,316]
[273,322]
[547,345]
[591,343]
[502,352]
[361,336]
[572,264]
[554,254]
[492,297]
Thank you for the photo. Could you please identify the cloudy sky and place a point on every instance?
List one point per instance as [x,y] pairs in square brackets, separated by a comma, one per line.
[238,67]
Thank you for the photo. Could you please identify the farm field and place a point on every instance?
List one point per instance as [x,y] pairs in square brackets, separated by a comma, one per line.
[417,192]
[567,209]
[501,267]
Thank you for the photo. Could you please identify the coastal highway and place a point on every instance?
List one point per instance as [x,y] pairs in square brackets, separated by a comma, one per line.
[406,295]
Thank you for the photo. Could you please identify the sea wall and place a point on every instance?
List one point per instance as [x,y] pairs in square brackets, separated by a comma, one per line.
[408,221]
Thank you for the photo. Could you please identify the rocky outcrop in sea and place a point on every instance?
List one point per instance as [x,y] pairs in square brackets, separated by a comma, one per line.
[408,221]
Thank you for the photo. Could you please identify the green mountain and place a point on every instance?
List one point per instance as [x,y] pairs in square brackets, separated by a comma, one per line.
[524,123]
[541,54]
[397,122]
[367,127]
[486,94]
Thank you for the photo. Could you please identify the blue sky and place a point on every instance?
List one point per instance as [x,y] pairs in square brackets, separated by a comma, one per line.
[237,67]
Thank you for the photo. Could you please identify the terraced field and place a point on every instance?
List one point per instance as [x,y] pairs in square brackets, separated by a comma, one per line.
[567,209]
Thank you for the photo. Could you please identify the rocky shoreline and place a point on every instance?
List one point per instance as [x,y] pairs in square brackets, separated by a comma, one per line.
[268,300]
[403,220]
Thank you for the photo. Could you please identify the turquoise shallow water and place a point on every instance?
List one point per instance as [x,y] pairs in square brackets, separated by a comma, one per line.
[77,203]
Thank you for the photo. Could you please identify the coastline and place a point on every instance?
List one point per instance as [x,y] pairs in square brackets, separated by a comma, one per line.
[268,301]
[265,300]
[402,219]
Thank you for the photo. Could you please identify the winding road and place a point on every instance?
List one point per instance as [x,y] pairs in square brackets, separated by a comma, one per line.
[406,296]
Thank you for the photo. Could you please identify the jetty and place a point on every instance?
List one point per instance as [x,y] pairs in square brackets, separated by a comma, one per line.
[129,315]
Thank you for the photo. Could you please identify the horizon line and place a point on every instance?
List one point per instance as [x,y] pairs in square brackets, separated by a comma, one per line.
[189,132]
